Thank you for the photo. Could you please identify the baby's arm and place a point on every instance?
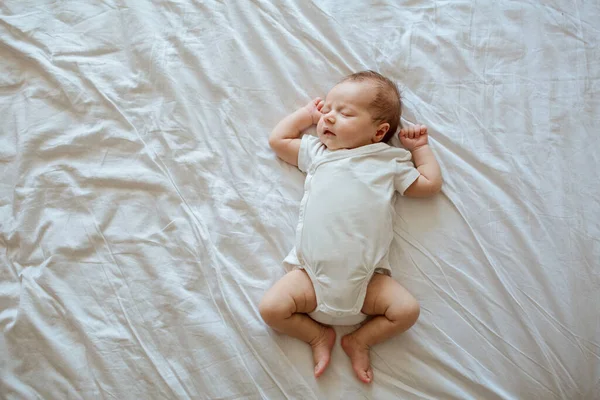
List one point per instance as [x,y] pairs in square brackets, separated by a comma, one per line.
[414,139]
[285,138]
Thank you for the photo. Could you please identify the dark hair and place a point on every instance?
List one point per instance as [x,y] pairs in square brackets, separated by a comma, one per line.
[387,105]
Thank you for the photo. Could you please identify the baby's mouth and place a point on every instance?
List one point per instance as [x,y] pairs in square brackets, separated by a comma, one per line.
[328,132]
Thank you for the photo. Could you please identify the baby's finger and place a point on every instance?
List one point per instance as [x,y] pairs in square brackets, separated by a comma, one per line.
[320,105]
[417,131]
[411,132]
[402,132]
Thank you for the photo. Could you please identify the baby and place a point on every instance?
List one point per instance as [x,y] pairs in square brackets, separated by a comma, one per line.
[340,273]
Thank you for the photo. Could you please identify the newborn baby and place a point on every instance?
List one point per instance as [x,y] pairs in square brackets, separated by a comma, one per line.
[340,273]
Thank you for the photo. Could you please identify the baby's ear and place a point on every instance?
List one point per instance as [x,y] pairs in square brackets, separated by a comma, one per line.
[382,129]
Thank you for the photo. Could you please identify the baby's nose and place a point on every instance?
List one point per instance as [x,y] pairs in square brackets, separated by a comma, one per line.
[330,119]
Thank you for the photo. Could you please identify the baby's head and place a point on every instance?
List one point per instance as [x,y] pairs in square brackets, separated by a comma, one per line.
[362,109]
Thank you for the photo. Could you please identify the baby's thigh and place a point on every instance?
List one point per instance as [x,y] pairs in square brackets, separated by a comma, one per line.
[294,291]
[387,297]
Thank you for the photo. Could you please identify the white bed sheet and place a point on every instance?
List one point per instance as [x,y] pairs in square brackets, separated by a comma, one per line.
[142,214]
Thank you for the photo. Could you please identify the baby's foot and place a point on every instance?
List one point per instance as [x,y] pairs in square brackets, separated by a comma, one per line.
[321,348]
[359,356]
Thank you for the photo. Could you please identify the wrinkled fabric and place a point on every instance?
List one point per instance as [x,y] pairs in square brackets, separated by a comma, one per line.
[143,215]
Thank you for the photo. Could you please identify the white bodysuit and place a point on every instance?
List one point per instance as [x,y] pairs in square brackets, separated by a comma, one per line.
[345,226]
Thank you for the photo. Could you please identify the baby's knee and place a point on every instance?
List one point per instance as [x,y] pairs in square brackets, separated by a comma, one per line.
[406,313]
[271,310]
[412,311]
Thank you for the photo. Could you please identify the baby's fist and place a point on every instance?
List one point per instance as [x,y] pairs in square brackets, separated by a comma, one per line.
[314,109]
[413,137]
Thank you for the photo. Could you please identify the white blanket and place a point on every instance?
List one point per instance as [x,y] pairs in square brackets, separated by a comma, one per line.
[143,215]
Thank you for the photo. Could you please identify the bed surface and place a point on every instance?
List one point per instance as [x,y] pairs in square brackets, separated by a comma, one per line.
[143,215]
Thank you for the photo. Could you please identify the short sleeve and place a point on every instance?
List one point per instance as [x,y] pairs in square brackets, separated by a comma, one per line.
[405,174]
[310,148]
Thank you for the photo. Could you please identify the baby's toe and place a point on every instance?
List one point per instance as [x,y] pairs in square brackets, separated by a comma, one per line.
[319,368]
[364,375]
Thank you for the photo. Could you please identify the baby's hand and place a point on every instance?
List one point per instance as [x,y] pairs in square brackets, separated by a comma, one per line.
[413,137]
[314,109]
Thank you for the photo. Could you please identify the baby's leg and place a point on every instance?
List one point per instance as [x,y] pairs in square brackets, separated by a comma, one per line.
[396,310]
[284,308]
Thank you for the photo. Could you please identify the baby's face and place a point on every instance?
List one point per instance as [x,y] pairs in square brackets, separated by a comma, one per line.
[346,122]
